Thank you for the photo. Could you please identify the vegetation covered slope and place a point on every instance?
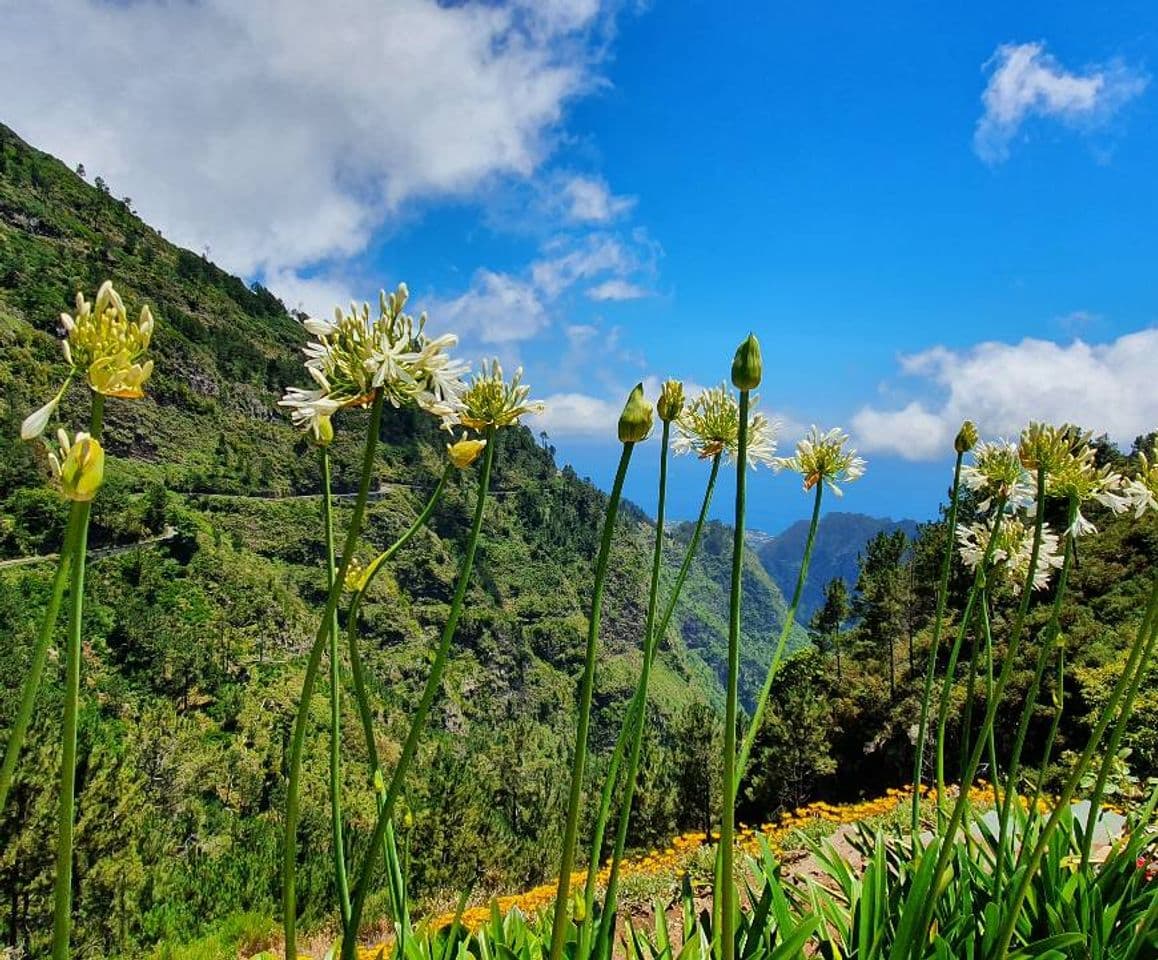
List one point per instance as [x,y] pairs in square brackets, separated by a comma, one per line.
[195,646]
[840,540]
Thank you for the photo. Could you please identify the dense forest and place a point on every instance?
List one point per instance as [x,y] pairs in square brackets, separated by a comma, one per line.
[207,575]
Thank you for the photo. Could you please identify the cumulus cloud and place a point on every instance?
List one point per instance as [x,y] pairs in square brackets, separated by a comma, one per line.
[1104,387]
[1026,81]
[590,200]
[282,133]
[580,414]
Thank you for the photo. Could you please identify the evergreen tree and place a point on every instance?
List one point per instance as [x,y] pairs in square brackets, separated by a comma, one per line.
[828,622]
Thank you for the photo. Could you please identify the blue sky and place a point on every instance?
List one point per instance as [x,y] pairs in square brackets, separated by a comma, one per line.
[925,211]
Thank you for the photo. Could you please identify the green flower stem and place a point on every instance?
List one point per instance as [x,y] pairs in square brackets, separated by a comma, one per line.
[571,831]
[66,824]
[731,780]
[1058,710]
[1123,693]
[357,671]
[297,744]
[620,743]
[971,689]
[789,622]
[935,646]
[650,643]
[1111,752]
[1045,651]
[418,722]
[987,630]
[955,653]
[604,814]
[340,879]
[948,837]
[39,656]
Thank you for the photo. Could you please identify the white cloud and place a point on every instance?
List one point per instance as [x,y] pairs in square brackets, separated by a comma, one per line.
[506,308]
[586,415]
[1026,81]
[316,295]
[1104,387]
[617,290]
[284,132]
[580,415]
[498,308]
[568,262]
[590,200]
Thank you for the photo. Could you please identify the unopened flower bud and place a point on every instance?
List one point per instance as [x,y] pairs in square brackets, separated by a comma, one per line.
[671,400]
[34,424]
[635,421]
[966,437]
[465,452]
[80,467]
[322,431]
[747,367]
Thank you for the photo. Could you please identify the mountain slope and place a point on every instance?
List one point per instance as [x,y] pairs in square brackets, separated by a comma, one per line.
[840,539]
[195,646]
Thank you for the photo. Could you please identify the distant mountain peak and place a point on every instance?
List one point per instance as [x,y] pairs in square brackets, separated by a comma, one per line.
[840,538]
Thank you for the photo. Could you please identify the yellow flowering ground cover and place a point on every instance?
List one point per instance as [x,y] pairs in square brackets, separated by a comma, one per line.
[678,856]
[683,854]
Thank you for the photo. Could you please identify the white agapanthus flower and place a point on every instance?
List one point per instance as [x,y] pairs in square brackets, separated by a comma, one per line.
[354,355]
[1079,480]
[997,473]
[1012,550]
[821,457]
[710,426]
[491,402]
[1142,490]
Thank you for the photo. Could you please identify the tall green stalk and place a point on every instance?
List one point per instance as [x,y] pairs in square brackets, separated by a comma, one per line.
[357,672]
[297,744]
[786,629]
[1124,693]
[66,824]
[971,690]
[1055,724]
[650,643]
[948,835]
[418,721]
[987,630]
[39,655]
[935,645]
[730,778]
[1045,651]
[955,653]
[620,742]
[571,831]
[340,880]
[1111,752]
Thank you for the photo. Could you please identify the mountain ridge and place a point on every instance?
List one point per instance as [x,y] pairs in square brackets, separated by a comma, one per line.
[840,538]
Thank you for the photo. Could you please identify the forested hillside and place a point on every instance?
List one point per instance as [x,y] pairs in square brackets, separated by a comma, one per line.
[840,540]
[195,644]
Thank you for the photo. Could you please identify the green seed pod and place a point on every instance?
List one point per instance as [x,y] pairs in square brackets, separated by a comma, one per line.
[966,437]
[635,421]
[671,400]
[747,367]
